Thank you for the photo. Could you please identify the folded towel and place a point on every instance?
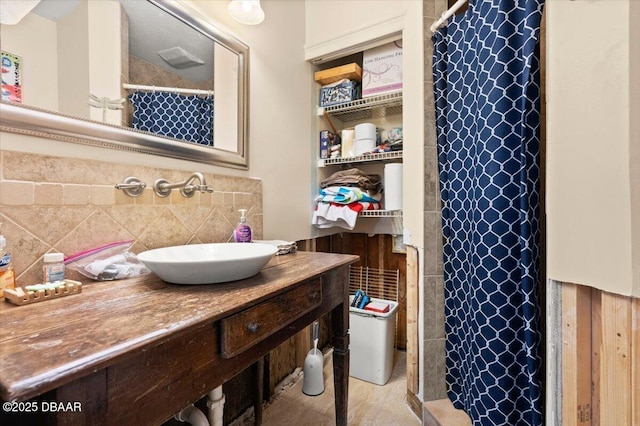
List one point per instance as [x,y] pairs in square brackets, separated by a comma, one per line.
[329,215]
[346,195]
[354,177]
[284,247]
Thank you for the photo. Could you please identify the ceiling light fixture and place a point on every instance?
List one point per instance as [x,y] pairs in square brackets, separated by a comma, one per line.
[246,12]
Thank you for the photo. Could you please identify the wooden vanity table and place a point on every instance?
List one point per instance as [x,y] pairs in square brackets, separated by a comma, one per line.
[137,351]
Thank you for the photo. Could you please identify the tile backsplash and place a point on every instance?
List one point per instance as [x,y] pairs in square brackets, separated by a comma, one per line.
[59,204]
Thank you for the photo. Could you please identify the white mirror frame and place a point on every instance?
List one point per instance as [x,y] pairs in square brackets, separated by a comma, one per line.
[33,121]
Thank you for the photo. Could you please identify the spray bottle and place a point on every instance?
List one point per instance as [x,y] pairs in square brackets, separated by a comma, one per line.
[7,275]
[242,233]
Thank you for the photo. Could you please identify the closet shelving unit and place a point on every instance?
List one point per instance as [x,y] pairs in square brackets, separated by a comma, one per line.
[364,158]
[365,109]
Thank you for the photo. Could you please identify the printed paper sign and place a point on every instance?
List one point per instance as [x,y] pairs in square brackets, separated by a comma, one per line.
[11,77]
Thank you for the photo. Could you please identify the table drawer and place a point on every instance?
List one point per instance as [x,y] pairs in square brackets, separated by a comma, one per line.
[244,329]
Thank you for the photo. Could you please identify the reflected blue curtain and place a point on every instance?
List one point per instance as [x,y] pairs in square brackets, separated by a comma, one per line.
[188,118]
[486,81]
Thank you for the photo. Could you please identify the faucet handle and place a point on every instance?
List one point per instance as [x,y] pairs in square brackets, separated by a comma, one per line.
[131,186]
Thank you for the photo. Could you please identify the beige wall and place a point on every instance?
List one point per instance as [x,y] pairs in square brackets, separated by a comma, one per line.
[105,61]
[73,55]
[592,197]
[634,139]
[226,100]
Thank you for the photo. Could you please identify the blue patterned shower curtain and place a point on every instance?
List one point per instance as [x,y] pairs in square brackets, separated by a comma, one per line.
[486,80]
[188,118]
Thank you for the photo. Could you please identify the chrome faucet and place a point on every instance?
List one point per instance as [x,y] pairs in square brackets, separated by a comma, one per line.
[163,188]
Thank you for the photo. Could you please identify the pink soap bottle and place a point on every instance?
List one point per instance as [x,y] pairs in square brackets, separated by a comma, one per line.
[242,233]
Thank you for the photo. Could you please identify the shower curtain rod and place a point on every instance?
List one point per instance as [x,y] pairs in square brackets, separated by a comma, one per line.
[446,15]
[168,89]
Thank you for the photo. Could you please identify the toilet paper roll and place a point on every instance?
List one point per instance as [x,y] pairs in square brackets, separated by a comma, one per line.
[364,146]
[393,186]
[348,143]
[365,131]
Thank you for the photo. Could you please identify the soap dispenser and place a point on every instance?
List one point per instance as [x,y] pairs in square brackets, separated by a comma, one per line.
[7,275]
[242,233]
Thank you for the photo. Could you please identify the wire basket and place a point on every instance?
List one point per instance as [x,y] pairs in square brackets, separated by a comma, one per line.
[377,283]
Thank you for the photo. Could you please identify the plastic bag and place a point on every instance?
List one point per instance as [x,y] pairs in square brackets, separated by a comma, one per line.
[113,261]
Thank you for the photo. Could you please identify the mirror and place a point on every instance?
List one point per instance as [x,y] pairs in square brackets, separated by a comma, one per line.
[88,72]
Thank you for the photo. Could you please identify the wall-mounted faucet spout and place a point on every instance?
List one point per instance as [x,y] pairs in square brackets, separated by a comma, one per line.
[163,188]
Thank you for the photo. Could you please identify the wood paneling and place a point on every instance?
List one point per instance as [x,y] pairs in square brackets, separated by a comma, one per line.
[576,355]
[413,307]
[615,360]
[600,357]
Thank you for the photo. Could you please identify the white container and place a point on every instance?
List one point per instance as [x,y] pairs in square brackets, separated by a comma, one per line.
[53,267]
[364,146]
[371,337]
[365,131]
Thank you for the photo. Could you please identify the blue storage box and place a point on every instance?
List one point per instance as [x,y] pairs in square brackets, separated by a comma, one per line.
[345,91]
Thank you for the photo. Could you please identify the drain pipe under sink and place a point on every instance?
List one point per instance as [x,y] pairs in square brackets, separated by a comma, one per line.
[195,417]
[192,415]
[215,402]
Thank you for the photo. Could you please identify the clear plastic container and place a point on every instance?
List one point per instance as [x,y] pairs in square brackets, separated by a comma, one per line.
[53,268]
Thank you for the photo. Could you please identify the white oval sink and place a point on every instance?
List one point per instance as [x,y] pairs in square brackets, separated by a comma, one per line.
[207,263]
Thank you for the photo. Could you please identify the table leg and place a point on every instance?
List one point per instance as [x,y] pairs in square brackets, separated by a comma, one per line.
[259,395]
[340,323]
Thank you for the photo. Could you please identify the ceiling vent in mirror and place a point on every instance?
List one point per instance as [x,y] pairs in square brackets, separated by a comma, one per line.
[179,58]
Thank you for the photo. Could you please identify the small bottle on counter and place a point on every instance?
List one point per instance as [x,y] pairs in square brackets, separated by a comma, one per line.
[53,269]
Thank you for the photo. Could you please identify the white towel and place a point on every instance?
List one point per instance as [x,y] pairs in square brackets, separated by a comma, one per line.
[329,215]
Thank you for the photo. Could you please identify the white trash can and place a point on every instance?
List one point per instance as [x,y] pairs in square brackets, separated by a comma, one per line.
[371,336]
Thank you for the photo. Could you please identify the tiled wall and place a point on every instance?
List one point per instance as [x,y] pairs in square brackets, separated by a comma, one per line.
[142,72]
[434,368]
[50,204]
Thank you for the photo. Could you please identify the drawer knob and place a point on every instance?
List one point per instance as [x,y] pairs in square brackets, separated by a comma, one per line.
[253,327]
[313,296]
